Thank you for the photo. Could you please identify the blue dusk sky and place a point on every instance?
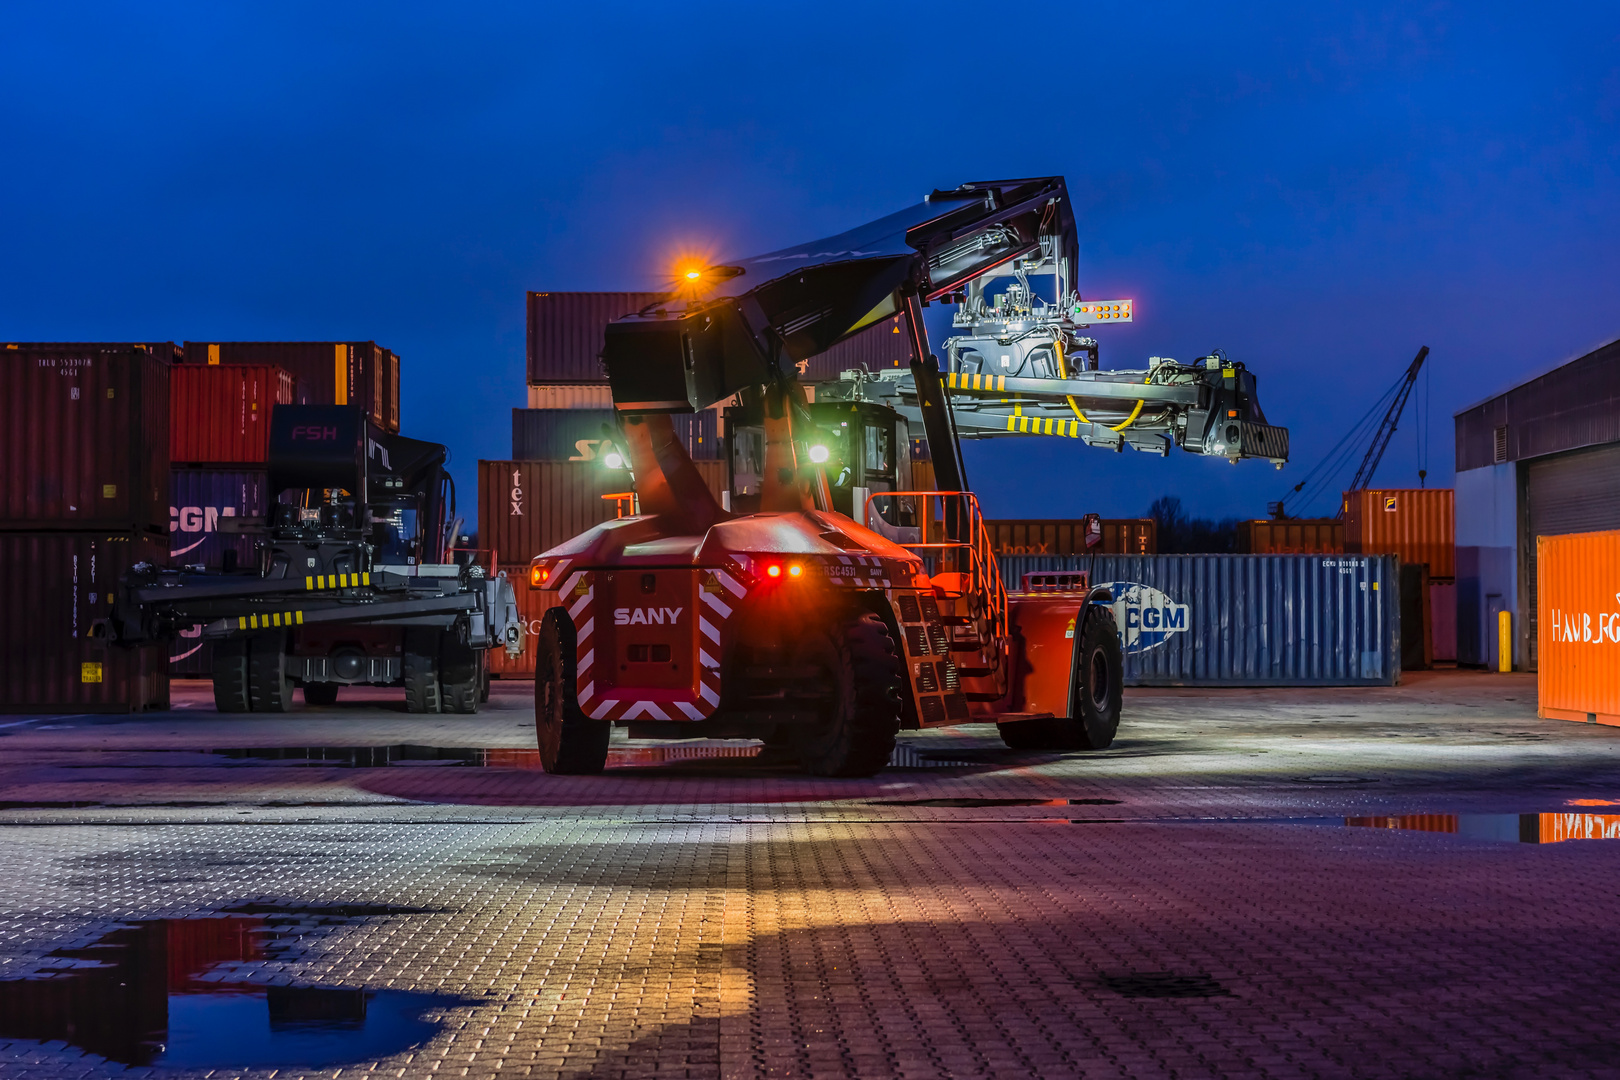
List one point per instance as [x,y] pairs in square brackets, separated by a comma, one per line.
[1317,189]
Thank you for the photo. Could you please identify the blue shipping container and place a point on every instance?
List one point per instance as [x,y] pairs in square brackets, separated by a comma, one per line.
[199,499]
[582,434]
[1246,620]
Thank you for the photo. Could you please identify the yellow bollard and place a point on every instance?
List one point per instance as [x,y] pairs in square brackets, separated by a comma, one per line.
[1504,641]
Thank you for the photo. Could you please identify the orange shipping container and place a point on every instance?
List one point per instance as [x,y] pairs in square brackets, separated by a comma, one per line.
[1418,524]
[1578,626]
[1314,536]
[532,605]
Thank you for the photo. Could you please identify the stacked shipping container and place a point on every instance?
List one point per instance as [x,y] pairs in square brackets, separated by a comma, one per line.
[85,433]
[219,438]
[1121,536]
[327,372]
[1313,536]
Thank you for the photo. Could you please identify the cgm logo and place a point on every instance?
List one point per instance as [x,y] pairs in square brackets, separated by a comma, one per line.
[197,519]
[649,616]
[1145,616]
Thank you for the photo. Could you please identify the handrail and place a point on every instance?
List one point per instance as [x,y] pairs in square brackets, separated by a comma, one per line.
[984,571]
[625,503]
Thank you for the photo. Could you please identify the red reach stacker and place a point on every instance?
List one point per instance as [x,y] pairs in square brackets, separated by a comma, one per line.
[824,633]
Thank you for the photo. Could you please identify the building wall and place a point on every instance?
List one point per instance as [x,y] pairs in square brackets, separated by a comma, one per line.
[1487,560]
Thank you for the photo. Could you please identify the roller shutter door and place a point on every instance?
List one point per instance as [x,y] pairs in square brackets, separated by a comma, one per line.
[1571,493]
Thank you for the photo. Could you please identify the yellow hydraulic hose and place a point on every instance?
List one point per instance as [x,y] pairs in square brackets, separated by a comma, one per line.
[1063,373]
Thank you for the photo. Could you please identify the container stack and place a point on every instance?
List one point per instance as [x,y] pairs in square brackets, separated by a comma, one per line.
[219,439]
[1419,525]
[84,496]
[326,372]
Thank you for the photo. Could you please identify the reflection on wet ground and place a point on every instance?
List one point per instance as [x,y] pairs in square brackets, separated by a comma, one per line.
[1507,828]
[150,993]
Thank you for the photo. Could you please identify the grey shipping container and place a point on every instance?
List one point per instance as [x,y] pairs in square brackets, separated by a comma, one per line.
[328,372]
[566,331]
[57,586]
[84,431]
[579,434]
[1247,620]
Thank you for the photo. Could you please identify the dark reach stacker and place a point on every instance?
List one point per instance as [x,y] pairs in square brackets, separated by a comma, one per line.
[356,581]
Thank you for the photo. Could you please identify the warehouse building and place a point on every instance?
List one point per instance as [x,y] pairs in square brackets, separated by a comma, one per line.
[1541,459]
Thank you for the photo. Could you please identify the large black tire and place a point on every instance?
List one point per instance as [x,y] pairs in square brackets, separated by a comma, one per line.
[860,714]
[270,687]
[460,681]
[231,676]
[570,742]
[420,668]
[321,693]
[483,665]
[1095,693]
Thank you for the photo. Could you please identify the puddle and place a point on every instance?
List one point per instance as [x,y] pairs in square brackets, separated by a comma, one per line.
[159,993]
[1504,828]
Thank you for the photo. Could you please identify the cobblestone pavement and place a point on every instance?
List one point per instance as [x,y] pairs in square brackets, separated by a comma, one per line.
[1204,899]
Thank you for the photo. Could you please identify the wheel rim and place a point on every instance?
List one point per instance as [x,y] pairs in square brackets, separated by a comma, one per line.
[1099,679]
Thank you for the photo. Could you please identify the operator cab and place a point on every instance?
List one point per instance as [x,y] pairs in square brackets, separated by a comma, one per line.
[865,448]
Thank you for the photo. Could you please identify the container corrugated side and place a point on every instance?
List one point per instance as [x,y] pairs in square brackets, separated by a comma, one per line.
[1120,536]
[580,434]
[220,414]
[1312,536]
[526,507]
[571,396]
[57,585]
[532,606]
[1418,524]
[567,331]
[1578,626]
[1246,620]
[84,433]
[884,345]
[328,372]
[200,500]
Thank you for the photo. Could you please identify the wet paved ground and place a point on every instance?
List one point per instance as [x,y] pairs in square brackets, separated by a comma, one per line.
[1250,883]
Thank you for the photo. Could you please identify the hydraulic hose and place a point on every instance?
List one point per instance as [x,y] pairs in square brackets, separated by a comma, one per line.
[1063,373]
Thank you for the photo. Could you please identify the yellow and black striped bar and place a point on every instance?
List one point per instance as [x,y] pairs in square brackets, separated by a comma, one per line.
[1044,425]
[337,581]
[270,620]
[963,381]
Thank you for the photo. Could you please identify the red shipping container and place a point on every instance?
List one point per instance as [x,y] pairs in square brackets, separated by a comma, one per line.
[526,507]
[328,372]
[84,433]
[1578,626]
[567,330]
[220,414]
[1418,524]
[57,586]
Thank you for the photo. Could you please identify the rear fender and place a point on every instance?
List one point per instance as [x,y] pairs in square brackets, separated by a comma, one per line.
[1044,630]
